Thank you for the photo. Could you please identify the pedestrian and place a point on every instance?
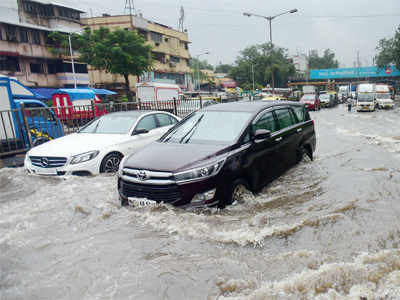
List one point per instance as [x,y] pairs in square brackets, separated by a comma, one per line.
[349,103]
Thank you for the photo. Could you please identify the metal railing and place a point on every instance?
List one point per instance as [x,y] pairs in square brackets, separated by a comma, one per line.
[26,127]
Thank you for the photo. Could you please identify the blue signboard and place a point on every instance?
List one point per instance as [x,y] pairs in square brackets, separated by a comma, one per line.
[362,72]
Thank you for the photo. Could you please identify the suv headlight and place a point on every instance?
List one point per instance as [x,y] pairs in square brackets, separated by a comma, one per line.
[77,159]
[206,171]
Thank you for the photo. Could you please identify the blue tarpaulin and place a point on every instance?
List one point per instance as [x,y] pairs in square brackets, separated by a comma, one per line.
[81,93]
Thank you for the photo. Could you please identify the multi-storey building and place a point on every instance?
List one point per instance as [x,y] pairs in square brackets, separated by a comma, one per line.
[171,57]
[25,47]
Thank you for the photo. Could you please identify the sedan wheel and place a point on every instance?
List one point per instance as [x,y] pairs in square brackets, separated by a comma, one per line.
[238,193]
[110,163]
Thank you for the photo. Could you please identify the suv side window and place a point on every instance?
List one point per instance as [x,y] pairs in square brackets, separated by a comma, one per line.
[148,122]
[267,121]
[285,119]
[299,111]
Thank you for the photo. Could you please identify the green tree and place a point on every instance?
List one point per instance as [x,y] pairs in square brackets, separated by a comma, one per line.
[327,61]
[262,61]
[389,51]
[118,52]
[223,68]
[201,64]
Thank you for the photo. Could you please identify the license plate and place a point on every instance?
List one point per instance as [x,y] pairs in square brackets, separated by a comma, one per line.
[132,201]
[46,171]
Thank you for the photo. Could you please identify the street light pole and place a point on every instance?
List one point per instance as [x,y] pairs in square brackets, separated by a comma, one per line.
[72,59]
[269,19]
[198,68]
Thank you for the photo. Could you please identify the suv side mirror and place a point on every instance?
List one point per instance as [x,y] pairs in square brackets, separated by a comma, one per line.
[139,131]
[262,134]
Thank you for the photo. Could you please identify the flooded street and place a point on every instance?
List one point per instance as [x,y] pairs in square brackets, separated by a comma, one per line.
[327,229]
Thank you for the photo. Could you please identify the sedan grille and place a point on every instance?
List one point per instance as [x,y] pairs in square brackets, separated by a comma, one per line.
[48,161]
[160,193]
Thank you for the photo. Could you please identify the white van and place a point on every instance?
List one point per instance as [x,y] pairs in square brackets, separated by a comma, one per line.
[383,96]
[366,97]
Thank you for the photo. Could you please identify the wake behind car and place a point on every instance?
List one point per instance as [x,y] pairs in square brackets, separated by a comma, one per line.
[213,154]
[100,145]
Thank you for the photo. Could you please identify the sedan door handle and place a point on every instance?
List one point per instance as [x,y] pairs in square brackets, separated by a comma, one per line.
[299,129]
[278,139]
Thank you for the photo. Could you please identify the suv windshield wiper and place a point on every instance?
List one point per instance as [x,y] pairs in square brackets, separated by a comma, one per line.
[190,133]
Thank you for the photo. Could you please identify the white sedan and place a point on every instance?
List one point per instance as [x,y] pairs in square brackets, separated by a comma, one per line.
[99,146]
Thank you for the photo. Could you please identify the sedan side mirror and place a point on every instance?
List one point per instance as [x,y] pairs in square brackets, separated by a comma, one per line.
[262,134]
[139,131]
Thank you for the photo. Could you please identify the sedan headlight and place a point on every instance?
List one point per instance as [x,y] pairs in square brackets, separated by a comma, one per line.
[200,173]
[80,158]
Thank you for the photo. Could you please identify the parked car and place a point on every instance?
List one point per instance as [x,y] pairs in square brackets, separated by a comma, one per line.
[213,154]
[327,100]
[100,145]
[311,101]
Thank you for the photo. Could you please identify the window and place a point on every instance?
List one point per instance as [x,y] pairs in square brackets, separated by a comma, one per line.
[165,120]
[156,37]
[147,122]
[11,33]
[9,63]
[52,68]
[166,40]
[299,111]
[68,13]
[285,118]
[23,35]
[35,37]
[36,68]
[159,56]
[38,111]
[174,59]
[267,121]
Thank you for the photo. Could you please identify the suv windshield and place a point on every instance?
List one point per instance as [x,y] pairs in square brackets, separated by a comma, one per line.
[208,127]
[365,97]
[308,98]
[382,96]
[110,124]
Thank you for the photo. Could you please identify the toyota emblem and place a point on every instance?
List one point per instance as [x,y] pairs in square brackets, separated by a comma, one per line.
[141,175]
[45,162]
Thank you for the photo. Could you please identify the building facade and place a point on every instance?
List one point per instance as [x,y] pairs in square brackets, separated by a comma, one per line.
[171,56]
[25,47]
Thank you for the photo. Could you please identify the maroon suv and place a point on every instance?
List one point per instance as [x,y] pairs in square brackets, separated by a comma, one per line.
[210,156]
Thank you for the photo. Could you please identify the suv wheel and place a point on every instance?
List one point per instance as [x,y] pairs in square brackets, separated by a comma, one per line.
[236,193]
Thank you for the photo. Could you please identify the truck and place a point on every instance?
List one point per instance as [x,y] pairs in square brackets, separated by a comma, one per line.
[25,120]
[366,97]
[156,95]
[383,96]
[343,93]
[78,105]
[309,89]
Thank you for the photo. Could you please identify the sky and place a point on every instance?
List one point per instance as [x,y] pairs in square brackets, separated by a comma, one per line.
[219,27]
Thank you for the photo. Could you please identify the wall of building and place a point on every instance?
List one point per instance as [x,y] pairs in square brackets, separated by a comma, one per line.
[170,49]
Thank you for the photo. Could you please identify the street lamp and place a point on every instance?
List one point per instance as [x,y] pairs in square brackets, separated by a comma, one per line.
[72,56]
[269,19]
[198,68]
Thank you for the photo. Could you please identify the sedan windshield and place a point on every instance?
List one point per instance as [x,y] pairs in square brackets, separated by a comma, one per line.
[209,127]
[110,124]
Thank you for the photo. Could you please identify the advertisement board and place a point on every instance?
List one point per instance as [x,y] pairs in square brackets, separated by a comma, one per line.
[362,72]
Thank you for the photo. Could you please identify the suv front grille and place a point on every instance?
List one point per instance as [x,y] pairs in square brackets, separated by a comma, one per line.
[160,193]
[48,161]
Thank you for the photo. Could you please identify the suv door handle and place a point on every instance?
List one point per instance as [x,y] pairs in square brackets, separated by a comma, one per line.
[278,139]
[299,129]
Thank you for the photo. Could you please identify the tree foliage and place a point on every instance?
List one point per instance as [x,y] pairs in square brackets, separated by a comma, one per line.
[327,61]
[223,68]
[119,51]
[389,51]
[201,64]
[264,60]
